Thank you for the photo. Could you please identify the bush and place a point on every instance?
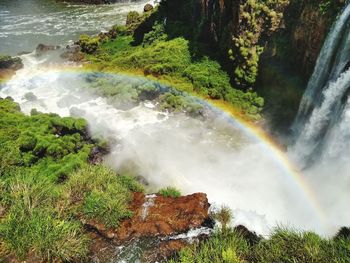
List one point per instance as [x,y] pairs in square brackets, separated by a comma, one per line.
[49,144]
[88,44]
[169,192]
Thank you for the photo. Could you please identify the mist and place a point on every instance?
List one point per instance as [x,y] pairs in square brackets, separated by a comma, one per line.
[213,155]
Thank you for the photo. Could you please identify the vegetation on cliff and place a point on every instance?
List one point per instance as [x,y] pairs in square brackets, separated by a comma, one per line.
[165,55]
[47,187]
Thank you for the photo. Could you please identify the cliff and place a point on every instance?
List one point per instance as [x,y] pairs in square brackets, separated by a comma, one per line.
[236,30]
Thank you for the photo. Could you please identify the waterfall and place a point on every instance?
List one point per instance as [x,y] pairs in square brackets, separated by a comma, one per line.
[323,109]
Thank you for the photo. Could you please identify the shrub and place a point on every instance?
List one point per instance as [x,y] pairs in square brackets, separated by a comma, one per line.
[169,192]
[224,216]
[88,44]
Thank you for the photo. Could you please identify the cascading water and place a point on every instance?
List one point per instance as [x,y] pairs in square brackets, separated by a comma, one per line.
[323,109]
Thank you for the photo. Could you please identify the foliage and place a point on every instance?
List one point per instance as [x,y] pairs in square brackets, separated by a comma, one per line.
[258,18]
[169,192]
[223,216]
[46,143]
[283,246]
[88,44]
[171,60]
[43,192]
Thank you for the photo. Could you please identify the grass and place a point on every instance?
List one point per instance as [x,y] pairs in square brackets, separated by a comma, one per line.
[98,193]
[170,192]
[47,187]
[284,245]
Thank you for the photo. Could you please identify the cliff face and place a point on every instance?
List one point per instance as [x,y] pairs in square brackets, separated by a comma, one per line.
[307,25]
[238,30]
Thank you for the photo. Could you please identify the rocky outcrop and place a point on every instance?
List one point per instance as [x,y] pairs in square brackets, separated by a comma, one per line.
[307,24]
[9,65]
[156,222]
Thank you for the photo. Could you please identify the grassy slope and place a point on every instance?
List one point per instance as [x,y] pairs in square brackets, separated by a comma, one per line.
[47,186]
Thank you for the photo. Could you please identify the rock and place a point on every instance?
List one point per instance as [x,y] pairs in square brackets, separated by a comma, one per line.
[8,66]
[155,219]
[250,236]
[343,232]
[164,216]
[10,63]
[73,53]
[148,7]
[41,49]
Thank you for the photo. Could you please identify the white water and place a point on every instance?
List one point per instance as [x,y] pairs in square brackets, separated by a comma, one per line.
[26,23]
[322,127]
[214,156]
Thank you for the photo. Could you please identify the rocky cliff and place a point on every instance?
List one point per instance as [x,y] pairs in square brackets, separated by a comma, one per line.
[307,25]
[237,30]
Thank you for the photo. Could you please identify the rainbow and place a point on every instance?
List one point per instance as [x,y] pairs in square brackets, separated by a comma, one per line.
[236,119]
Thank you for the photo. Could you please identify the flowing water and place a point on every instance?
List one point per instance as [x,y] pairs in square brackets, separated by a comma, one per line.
[26,23]
[216,155]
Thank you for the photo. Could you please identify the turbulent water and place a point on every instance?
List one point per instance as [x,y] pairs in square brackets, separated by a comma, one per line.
[26,23]
[322,127]
[215,155]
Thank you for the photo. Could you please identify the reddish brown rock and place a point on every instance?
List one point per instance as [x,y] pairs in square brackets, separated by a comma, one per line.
[156,219]
[163,217]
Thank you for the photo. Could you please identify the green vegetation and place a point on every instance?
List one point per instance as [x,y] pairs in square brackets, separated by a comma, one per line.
[170,61]
[223,216]
[235,246]
[169,192]
[47,187]
[246,48]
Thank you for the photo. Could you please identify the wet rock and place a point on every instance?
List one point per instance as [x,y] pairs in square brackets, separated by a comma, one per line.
[9,65]
[73,53]
[41,49]
[148,7]
[157,229]
[163,217]
[250,236]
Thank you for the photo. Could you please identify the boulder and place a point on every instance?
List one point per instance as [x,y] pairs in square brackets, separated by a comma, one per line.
[155,226]
[10,63]
[148,7]
[8,66]
[42,48]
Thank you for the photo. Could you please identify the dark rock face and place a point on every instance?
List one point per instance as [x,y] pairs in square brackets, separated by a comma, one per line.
[307,26]
[155,219]
[72,53]
[41,49]
[10,63]
[9,66]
